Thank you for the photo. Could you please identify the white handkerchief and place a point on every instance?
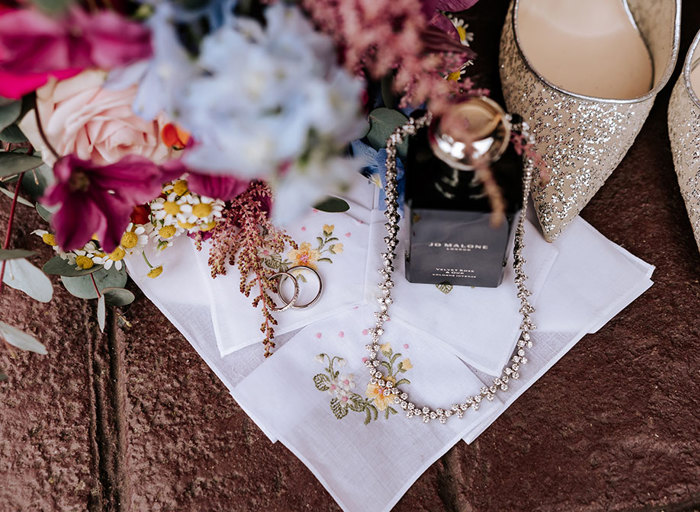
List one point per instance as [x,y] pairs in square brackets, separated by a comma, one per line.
[480,325]
[335,244]
[592,280]
[313,395]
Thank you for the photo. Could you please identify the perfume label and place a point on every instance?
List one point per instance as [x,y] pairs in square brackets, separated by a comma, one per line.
[457,247]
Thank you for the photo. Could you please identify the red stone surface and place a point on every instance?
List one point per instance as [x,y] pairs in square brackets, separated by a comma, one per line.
[133,420]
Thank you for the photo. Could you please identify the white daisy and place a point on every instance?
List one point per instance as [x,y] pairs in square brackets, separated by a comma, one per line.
[202,210]
[168,210]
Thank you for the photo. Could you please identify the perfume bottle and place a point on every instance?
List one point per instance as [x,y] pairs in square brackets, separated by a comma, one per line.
[454,237]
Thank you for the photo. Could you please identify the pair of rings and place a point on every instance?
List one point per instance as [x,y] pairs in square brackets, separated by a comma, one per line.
[292,302]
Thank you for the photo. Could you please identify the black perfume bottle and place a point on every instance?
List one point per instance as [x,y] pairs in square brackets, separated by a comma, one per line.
[454,238]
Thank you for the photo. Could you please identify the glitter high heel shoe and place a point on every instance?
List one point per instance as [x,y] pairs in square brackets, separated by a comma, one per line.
[584,110]
[684,132]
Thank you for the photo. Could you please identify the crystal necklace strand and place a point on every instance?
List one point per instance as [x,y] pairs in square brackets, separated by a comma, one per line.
[373,363]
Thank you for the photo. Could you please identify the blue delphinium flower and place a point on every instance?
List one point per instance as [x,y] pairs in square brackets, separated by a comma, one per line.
[374,169]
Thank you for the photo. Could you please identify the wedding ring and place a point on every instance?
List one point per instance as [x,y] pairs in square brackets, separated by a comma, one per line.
[292,302]
[288,303]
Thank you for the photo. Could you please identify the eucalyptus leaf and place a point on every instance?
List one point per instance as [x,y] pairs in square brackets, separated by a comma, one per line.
[21,340]
[83,287]
[332,205]
[118,296]
[14,163]
[13,254]
[35,182]
[9,114]
[12,134]
[388,96]
[44,212]
[22,275]
[383,122]
[101,313]
[57,266]
[20,199]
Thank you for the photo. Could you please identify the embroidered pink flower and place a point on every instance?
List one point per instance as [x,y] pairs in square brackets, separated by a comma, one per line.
[99,200]
[34,46]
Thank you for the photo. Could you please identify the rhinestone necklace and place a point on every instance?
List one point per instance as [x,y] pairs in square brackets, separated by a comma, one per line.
[373,362]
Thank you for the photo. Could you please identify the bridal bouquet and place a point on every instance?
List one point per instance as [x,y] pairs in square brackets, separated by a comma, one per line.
[128,125]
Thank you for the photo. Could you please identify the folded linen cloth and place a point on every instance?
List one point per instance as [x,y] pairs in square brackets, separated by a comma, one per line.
[335,244]
[315,397]
[480,325]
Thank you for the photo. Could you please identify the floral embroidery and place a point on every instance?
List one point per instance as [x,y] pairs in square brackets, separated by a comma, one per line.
[378,398]
[327,246]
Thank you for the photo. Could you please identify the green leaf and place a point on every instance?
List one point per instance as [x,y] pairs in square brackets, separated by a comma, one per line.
[12,134]
[11,195]
[36,181]
[57,266]
[444,287]
[321,381]
[338,409]
[383,122]
[101,313]
[44,212]
[20,339]
[332,205]
[118,296]
[14,163]
[23,276]
[9,113]
[12,254]
[83,287]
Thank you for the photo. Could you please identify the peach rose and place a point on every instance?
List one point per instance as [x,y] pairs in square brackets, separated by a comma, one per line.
[79,116]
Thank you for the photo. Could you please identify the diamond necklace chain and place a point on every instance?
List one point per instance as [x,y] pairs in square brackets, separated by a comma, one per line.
[373,362]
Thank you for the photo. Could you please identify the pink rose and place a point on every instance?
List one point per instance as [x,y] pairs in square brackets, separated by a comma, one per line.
[80,117]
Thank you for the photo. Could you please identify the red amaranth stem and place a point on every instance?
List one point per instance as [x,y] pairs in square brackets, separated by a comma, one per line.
[8,235]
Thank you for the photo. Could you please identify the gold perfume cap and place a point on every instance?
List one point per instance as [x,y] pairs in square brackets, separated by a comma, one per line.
[474,130]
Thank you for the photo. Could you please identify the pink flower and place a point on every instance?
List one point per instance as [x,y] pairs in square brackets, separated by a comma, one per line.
[34,46]
[80,117]
[97,199]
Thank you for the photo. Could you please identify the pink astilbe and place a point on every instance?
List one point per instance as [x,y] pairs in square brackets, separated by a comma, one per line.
[242,238]
[387,36]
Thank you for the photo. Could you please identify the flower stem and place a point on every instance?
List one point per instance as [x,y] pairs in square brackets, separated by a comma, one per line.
[8,235]
[41,130]
[92,276]
[143,253]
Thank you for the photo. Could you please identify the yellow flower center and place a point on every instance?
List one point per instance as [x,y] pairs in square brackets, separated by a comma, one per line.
[201,210]
[180,187]
[462,33]
[167,231]
[49,239]
[84,262]
[208,227]
[117,254]
[171,208]
[129,240]
[455,76]
[155,272]
[185,225]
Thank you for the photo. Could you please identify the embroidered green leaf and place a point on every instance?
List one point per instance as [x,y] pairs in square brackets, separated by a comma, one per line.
[332,239]
[395,357]
[322,381]
[338,409]
[328,260]
[444,287]
[386,365]
[401,382]
[357,403]
[368,416]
